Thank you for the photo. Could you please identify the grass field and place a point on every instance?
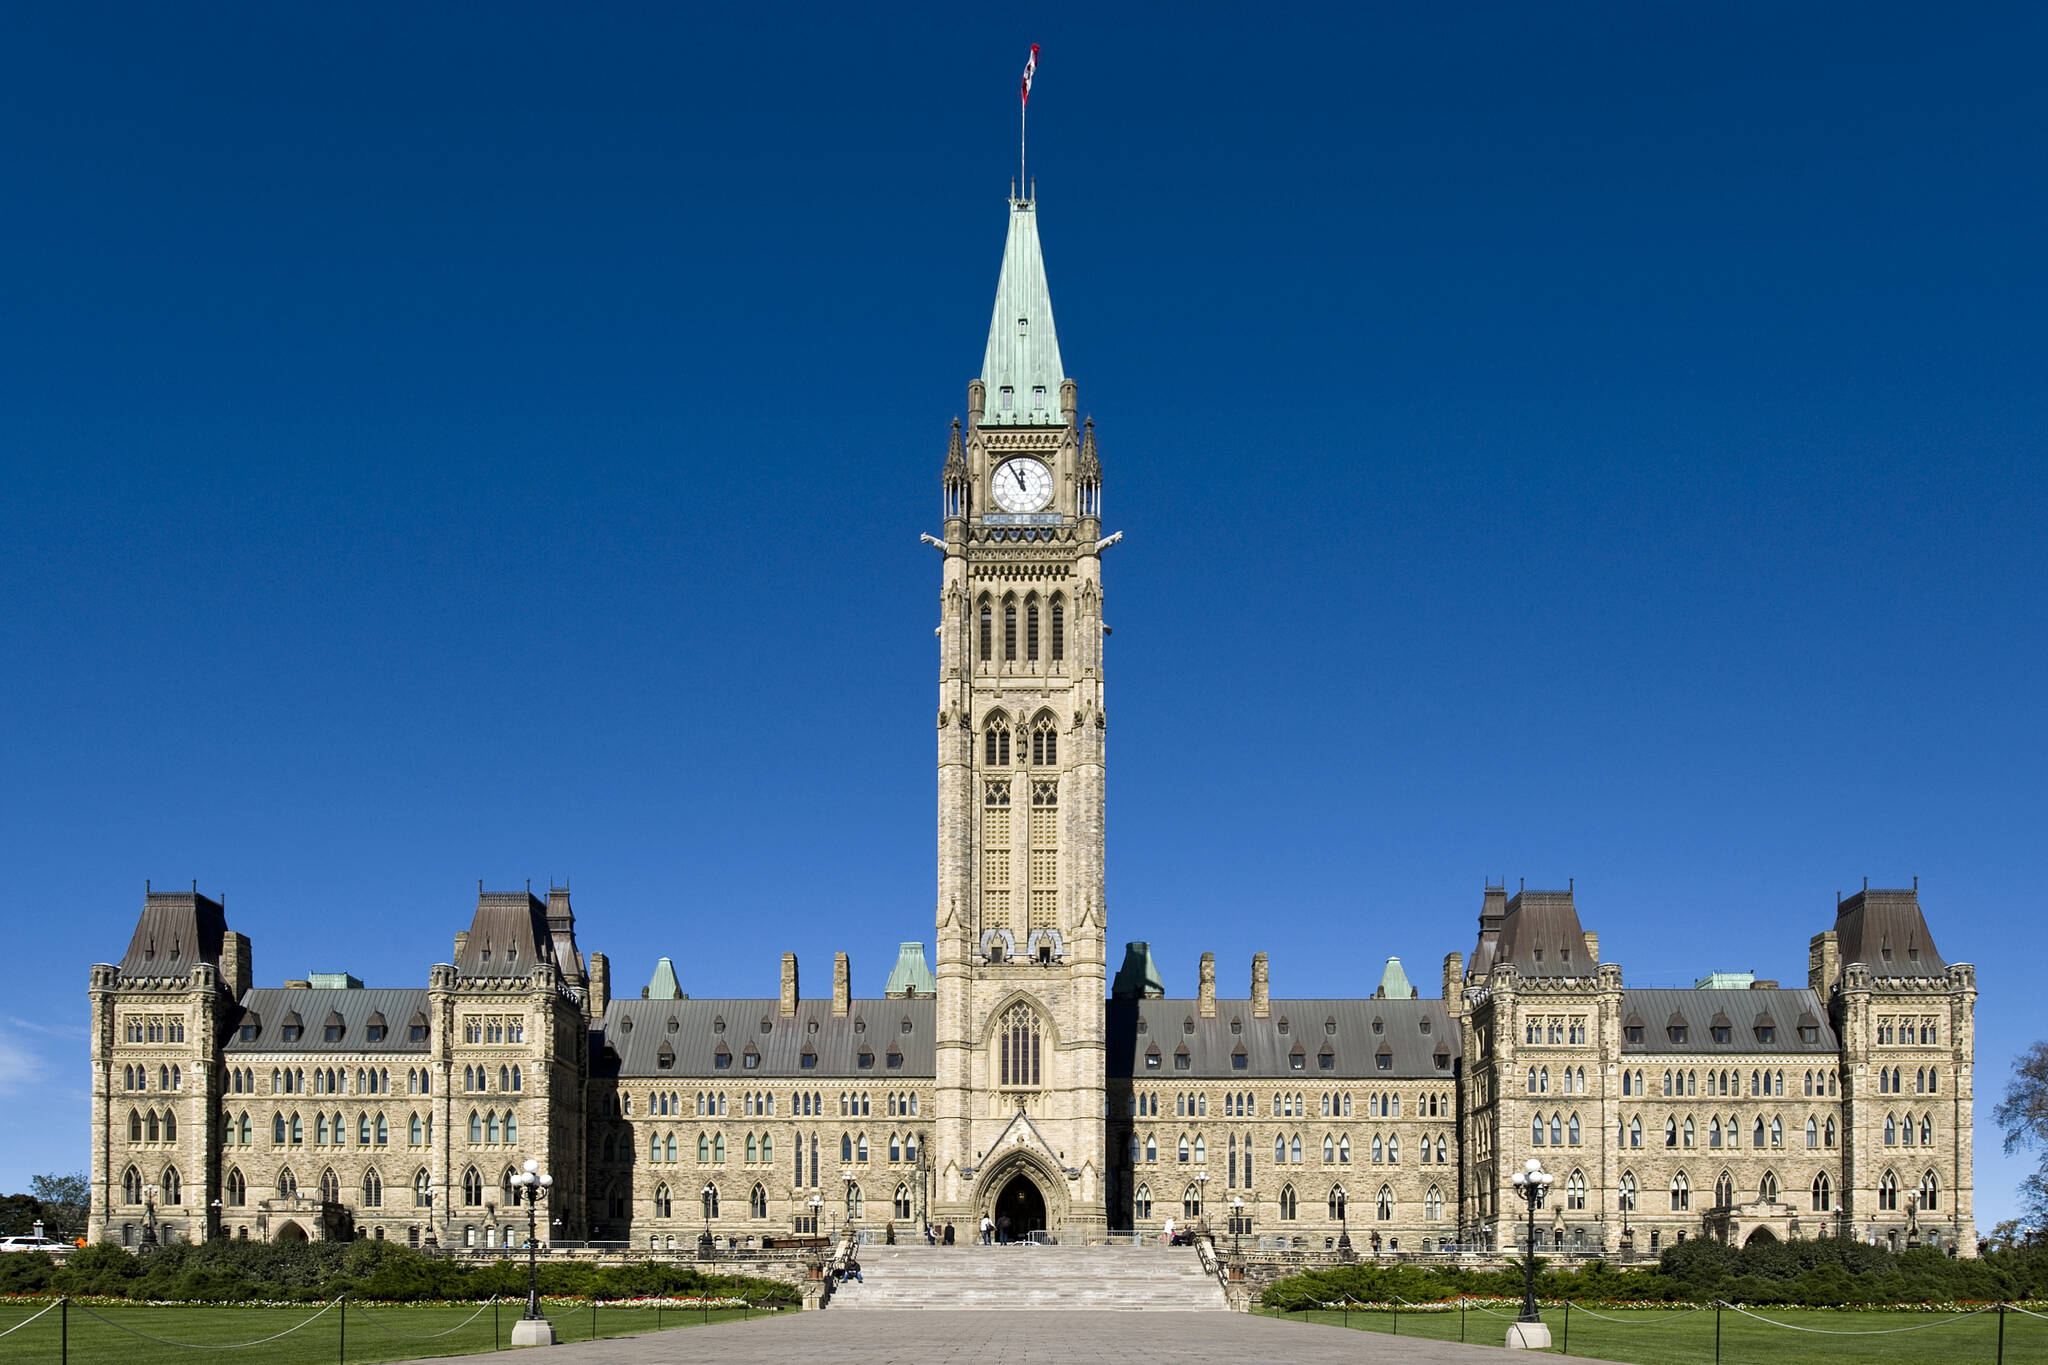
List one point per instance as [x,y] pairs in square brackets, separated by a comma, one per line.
[1682,1337]
[374,1333]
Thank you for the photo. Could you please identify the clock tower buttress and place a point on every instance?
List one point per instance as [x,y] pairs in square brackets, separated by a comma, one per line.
[1022,732]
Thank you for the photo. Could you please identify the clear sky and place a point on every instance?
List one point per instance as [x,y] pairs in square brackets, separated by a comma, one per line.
[486,441]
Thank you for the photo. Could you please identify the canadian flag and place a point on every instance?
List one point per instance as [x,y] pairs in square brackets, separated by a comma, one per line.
[1030,70]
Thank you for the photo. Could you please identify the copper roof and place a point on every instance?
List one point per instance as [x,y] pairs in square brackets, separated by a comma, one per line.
[176,931]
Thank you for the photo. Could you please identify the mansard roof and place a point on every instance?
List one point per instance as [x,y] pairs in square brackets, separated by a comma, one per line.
[1887,931]
[270,1008]
[176,931]
[509,934]
[1540,936]
[1023,349]
[1411,1032]
[1741,1012]
[628,1041]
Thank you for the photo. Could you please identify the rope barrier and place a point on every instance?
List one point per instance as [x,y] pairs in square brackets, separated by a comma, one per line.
[210,1346]
[2028,1311]
[1680,1315]
[26,1321]
[432,1336]
[1865,1332]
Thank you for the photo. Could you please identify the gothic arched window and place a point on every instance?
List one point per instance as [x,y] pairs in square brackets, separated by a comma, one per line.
[1018,1044]
[987,631]
[1724,1191]
[757,1203]
[996,745]
[1045,742]
[1059,628]
[1031,630]
[1823,1193]
[1009,630]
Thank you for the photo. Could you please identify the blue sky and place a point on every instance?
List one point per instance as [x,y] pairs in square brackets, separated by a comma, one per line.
[492,442]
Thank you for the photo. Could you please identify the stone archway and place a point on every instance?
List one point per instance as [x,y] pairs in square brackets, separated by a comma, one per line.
[288,1231]
[1020,1207]
[1760,1237]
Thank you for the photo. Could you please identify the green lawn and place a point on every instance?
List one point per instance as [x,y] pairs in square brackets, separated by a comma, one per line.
[374,1333]
[1680,1337]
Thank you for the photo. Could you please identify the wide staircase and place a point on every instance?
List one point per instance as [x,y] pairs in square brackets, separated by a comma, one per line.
[1023,1275]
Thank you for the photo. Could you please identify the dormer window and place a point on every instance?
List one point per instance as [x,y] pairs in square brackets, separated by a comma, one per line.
[811,1026]
[1009,397]
[1887,954]
[1539,954]
[1766,1033]
[808,1061]
[1283,1026]
[1379,1026]
[1188,1025]
[1633,1033]
[1564,955]
[1038,396]
[894,1060]
[1809,1033]
[906,1023]
[1424,1025]
[1722,1033]
[1913,954]
[1677,1033]
[1152,1058]
[750,1060]
[718,1024]
[1238,1060]
[1237,1026]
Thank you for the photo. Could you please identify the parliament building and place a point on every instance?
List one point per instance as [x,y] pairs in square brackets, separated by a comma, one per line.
[1013,1072]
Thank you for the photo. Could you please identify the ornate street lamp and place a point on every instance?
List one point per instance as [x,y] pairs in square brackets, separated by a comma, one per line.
[1532,1182]
[704,1243]
[1236,1222]
[847,1175]
[149,1193]
[530,1185]
[817,1203]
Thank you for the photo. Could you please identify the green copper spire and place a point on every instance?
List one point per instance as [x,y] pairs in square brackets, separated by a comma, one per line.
[912,975]
[664,986]
[1394,983]
[1022,366]
[1138,978]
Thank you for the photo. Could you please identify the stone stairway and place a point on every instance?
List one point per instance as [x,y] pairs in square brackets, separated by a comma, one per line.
[1022,1275]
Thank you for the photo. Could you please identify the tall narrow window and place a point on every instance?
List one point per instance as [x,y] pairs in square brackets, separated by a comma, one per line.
[1031,630]
[987,631]
[1009,632]
[1059,628]
[1018,1043]
[1045,850]
[995,852]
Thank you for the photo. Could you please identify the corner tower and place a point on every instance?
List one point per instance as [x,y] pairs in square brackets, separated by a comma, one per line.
[1022,735]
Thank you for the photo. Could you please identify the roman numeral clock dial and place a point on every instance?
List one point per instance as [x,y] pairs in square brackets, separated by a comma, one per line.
[1022,485]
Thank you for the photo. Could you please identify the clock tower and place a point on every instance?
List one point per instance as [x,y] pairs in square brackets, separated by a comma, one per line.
[1022,736]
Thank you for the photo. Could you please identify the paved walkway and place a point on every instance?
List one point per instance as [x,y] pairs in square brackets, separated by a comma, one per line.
[924,1337]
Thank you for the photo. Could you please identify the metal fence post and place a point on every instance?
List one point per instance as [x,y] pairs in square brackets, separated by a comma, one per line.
[1717,1332]
[593,1319]
[64,1331]
[494,1323]
[1461,1317]
[341,1353]
[2001,1334]
[1397,1320]
[1566,1345]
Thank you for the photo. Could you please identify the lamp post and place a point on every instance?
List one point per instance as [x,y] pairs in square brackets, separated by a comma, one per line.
[817,1203]
[1202,1194]
[704,1242]
[847,1175]
[1236,1222]
[213,1208]
[1527,1332]
[1343,1221]
[530,1185]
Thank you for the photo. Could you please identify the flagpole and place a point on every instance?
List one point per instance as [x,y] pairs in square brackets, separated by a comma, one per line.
[1023,106]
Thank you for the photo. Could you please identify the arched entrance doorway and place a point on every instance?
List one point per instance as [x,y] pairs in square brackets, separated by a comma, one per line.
[1023,1205]
[1761,1237]
[291,1232]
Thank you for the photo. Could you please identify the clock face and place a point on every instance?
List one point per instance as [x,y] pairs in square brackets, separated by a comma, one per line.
[1022,485]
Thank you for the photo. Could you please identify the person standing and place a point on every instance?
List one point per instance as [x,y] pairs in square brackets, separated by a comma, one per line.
[949,1232]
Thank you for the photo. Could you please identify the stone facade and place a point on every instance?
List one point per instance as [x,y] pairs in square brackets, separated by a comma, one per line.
[1012,1077]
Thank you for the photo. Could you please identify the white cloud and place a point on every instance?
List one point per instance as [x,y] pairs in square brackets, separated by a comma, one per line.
[20,1066]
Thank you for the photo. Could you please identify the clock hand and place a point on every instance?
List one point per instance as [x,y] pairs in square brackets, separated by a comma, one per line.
[1018,470]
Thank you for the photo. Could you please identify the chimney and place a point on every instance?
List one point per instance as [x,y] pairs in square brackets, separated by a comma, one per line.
[1259,1009]
[237,965]
[789,996]
[600,985]
[1207,989]
[1454,977]
[842,986]
[461,942]
[1823,964]
[1593,947]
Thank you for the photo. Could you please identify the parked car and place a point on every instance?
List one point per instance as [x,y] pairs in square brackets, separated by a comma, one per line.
[30,1244]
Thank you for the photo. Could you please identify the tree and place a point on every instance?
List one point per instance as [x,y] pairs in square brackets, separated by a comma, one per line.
[2023,1114]
[66,1200]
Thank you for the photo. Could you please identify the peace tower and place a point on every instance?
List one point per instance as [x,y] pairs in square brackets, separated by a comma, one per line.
[1021,754]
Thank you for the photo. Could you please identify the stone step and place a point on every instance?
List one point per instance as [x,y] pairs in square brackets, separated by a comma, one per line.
[1031,1277]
